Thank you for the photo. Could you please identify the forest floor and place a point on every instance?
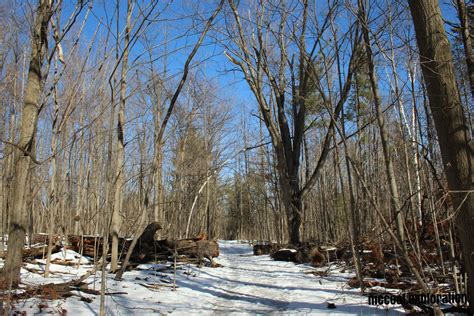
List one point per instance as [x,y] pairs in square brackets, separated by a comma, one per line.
[244,284]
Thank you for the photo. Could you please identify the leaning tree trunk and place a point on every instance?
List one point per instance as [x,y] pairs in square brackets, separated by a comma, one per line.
[24,147]
[450,123]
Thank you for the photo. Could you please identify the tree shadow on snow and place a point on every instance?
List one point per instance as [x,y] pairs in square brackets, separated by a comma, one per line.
[276,287]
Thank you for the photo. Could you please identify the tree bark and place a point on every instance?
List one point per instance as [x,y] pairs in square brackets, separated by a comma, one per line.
[466,41]
[24,147]
[53,189]
[450,123]
[158,206]
[119,171]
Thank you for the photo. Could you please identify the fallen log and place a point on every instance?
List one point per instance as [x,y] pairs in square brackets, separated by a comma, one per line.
[38,246]
[206,249]
[43,239]
[305,253]
[265,249]
[35,252]
[284,255]
[148,235]
[49,291]
[91,246]
[189,247]
[147,249]
[310,255]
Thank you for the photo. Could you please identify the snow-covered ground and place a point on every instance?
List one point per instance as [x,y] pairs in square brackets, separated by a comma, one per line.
[245,284]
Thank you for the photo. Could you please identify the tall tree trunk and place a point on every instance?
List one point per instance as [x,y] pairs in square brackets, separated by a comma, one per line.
[3,188]
[384,139]
[79,205]
[53,189]
[9,158]
[450,123]
[466,41]
[142,208]
[24,147]
[119,167]
[158,206]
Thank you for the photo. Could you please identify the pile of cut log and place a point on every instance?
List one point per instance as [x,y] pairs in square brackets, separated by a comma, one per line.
[303,253]
[38,247]
[147,249]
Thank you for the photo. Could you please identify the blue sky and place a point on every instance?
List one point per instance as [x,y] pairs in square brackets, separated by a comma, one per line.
[175,22]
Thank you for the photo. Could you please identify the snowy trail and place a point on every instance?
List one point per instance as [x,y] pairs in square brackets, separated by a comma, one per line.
[257,284]
[246,284]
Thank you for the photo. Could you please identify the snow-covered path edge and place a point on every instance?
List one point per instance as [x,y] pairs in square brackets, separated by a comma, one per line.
[246,284]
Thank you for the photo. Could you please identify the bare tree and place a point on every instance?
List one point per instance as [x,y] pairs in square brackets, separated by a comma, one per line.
[466,40]
[120,148]
[25,146]
[450,122]
[383,130]
[160,127]
[265,65]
